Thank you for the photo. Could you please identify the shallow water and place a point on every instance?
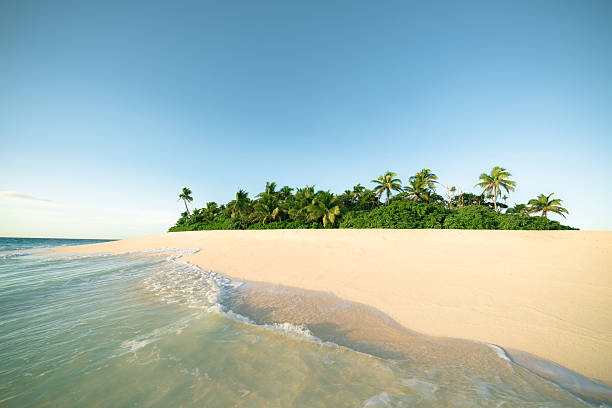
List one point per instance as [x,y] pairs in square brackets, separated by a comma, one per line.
[146,330]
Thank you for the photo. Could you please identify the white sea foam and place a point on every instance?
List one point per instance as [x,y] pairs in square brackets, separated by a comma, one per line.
[173,253]
[182,282]
[501,353]
[12,255]
[134,345]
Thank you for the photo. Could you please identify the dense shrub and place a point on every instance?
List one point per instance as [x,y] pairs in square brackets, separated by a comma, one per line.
[517,222]
[285,225]
[399,214]
[222,222]
[472,217]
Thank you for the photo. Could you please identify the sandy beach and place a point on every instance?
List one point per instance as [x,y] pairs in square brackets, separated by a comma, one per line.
[548,293]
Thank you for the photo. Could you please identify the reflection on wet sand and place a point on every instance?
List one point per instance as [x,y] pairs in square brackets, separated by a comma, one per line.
[366,329]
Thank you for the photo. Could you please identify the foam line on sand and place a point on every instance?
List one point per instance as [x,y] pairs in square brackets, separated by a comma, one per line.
[548,293]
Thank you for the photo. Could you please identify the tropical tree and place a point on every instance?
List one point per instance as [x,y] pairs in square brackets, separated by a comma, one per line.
[494,182]
[324,207]
[421,186]
[285,192]
[212,210]
[270,189]
[184,218]
[428,178]
[518,209]
[298,206]
[241,205]
[197,215]
[414,190]
[386,183]
[358,190]
[545,204]
[357,199]
[266,209]
[185,195]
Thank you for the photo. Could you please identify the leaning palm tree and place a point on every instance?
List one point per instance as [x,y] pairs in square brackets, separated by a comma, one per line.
[324,207]
[386,183]
[545,204]
[186,197]
[494,182]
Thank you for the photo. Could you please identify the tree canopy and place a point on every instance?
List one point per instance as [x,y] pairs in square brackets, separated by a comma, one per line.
[415,205]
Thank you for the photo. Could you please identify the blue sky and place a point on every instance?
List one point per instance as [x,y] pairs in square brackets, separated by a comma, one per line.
[107,109]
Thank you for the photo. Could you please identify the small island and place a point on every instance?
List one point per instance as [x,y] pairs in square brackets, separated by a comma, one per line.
[417,205]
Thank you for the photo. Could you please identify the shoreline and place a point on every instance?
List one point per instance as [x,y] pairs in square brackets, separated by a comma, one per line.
[548,293]
[365,329]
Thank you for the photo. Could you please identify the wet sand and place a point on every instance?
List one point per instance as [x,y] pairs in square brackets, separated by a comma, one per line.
[548,293]
[365,329]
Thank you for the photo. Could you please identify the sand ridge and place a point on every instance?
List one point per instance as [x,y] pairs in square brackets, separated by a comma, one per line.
[545,292]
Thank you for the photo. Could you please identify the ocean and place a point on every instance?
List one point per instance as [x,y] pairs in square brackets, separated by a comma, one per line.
[144,329]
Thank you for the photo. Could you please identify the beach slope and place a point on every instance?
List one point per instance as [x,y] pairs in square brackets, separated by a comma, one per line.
[548,293]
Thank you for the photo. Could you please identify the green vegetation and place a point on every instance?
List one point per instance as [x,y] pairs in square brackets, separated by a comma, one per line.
[416,205]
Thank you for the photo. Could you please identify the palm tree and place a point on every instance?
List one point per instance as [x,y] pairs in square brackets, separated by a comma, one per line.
[386,183]
[421,186]
[415,190]
[241,205]
[212,210]
[285,192]
[186,197]
[494,182]
[518,209]
[358,190]
[324,207]
[267,208]
[270,189]
[298,207]
[427,178]
[545,204]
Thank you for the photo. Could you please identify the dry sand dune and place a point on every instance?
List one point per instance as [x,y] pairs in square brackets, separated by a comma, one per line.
[545,292]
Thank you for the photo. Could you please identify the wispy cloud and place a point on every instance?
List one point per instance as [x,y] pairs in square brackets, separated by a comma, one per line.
[15,194]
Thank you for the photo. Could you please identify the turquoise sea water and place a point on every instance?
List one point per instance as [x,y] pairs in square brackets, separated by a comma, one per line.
[146,330]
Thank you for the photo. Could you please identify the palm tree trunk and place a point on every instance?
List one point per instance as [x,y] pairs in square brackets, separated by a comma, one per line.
[187,209]
[495,199]
[544,214]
